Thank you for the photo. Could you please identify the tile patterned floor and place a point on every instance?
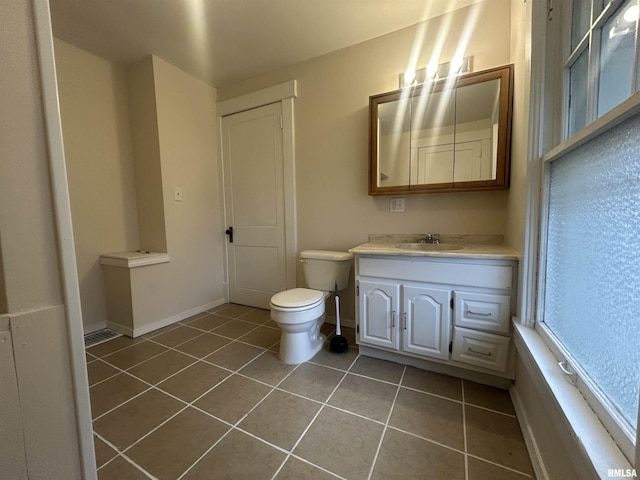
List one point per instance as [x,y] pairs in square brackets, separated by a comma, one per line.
[207,398]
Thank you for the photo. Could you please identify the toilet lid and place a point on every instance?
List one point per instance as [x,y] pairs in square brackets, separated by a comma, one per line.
[297,297]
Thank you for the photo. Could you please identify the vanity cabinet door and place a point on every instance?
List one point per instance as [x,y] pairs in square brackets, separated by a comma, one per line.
[379,311]
[426,325]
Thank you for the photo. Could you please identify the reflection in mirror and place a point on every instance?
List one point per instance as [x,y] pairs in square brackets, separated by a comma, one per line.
[394,119]
[476,131]
[432,138]
[450,135]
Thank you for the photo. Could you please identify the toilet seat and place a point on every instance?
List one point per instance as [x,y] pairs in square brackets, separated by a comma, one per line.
[297,299]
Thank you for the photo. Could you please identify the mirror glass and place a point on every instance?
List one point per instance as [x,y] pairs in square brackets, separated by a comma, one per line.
[394,122]
[433,138]
[450,135]
[476,131]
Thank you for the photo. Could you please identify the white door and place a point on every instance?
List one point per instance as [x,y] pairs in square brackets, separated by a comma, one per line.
[427,321]
[379,311]
[254,204]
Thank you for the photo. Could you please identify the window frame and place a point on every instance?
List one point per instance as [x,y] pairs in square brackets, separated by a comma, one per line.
[555,66]
[591,42]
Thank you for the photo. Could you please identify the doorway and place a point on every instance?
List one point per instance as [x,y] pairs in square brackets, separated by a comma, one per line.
[259,194]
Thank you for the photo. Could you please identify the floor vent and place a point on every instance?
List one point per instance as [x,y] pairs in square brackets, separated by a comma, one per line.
[100,336]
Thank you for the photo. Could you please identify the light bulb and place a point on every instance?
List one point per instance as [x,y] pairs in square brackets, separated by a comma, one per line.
[631,14]
[409,76]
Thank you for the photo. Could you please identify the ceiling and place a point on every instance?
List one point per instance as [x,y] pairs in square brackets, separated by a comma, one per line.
[225,41]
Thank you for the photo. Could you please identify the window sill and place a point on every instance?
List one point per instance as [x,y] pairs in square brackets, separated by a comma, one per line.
[595,449]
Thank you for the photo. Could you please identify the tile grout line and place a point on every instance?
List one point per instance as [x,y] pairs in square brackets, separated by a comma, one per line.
[176,324]
[429,440]
[277,387]
[215,444]
[487,409]
[386,424]
[298,457]
[93,420]
[237,372]
[119,349]
[152,386]
[511,469]
[453,448]
[174,348]
[235,426]
[304,432]
[186,405]
[121,455]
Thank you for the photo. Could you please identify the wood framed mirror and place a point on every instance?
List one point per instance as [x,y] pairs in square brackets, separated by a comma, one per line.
[451,135]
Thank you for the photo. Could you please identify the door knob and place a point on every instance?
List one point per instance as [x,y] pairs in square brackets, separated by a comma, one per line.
[229,231]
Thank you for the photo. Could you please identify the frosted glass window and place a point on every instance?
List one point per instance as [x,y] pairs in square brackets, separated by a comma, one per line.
[616,57]
[592,291]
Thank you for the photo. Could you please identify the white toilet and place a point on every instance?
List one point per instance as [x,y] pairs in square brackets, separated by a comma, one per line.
[299,312]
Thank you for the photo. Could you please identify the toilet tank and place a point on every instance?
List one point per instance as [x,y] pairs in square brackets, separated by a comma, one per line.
[322,269]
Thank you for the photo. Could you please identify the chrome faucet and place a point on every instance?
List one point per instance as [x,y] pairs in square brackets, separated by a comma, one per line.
[431,238]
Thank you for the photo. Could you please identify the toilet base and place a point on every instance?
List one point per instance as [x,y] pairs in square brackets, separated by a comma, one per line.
[296,348]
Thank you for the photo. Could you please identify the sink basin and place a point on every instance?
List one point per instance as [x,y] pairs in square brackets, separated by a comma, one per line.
[428,247]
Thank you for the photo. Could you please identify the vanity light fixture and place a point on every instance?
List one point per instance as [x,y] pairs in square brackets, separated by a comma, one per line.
[433,72]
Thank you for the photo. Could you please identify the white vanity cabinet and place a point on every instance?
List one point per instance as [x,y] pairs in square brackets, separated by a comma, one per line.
[413,319]
[454,311]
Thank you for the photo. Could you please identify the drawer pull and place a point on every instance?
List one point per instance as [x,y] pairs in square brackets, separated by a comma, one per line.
[479,314]
[393,319]
[405,320]
[486,354]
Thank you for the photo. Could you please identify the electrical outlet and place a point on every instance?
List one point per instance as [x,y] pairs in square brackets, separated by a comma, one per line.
[177,194]
[396,205]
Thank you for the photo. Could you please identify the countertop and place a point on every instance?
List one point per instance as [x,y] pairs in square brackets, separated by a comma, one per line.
[466,246]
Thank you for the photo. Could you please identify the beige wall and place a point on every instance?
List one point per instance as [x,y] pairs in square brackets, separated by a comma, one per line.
[36,325]
[97,142]
[115,123]
[188,155]
[334,210]
[520,56]
[146,154]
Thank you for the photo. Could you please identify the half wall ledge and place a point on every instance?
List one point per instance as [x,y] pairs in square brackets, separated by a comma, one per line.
[135,259]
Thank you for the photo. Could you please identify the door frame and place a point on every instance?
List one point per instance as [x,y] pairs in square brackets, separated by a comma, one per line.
[284,93]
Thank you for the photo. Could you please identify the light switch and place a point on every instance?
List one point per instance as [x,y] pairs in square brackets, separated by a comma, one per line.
[396,205]
[177,194]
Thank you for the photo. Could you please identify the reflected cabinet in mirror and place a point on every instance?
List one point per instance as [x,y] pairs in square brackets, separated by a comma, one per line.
[452,135]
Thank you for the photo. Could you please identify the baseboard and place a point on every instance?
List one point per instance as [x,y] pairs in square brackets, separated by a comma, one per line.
[529,438]
[94,327]
[116,327]
[136,332]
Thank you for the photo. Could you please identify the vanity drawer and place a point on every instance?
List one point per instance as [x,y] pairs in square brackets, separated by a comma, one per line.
[482,311]
[480,349]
